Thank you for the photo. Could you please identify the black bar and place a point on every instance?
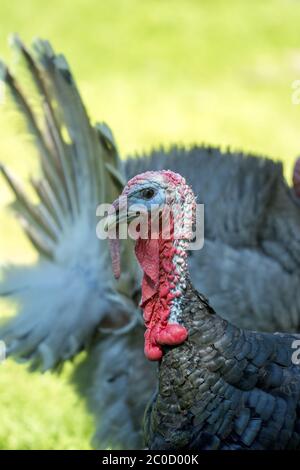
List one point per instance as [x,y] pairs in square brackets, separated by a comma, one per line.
[138,459]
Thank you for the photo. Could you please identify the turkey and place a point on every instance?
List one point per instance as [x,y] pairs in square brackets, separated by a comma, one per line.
[219,386]
[69,300]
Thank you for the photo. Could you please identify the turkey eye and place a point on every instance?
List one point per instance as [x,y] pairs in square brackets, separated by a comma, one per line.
[148,193]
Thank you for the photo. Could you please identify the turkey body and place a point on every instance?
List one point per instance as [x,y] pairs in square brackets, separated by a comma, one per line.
[224,388]
[250,259]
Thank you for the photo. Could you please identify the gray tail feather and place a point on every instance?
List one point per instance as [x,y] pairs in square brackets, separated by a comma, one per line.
[79,162]
[60,311]
[70,291]
[117,381]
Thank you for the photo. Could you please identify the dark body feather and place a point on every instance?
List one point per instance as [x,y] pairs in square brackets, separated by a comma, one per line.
[225,388]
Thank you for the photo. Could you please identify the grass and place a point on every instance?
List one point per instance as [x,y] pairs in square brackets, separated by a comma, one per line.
[158,71]
[40,412]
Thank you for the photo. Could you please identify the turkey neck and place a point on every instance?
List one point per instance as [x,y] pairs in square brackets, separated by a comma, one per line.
[166,291]
[184,380]
[204,328]
[164,263]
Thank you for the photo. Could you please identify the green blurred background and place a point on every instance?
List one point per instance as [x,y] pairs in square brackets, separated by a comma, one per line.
[157,71]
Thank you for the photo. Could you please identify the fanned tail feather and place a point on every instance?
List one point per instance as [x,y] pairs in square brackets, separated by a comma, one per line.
[118,382]
[67,295]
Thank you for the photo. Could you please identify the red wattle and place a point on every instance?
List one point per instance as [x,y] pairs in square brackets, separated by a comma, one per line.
[147,253]
[156,259]
[173,334]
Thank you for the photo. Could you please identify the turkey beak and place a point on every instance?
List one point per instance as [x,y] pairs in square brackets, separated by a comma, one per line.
[117,216]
